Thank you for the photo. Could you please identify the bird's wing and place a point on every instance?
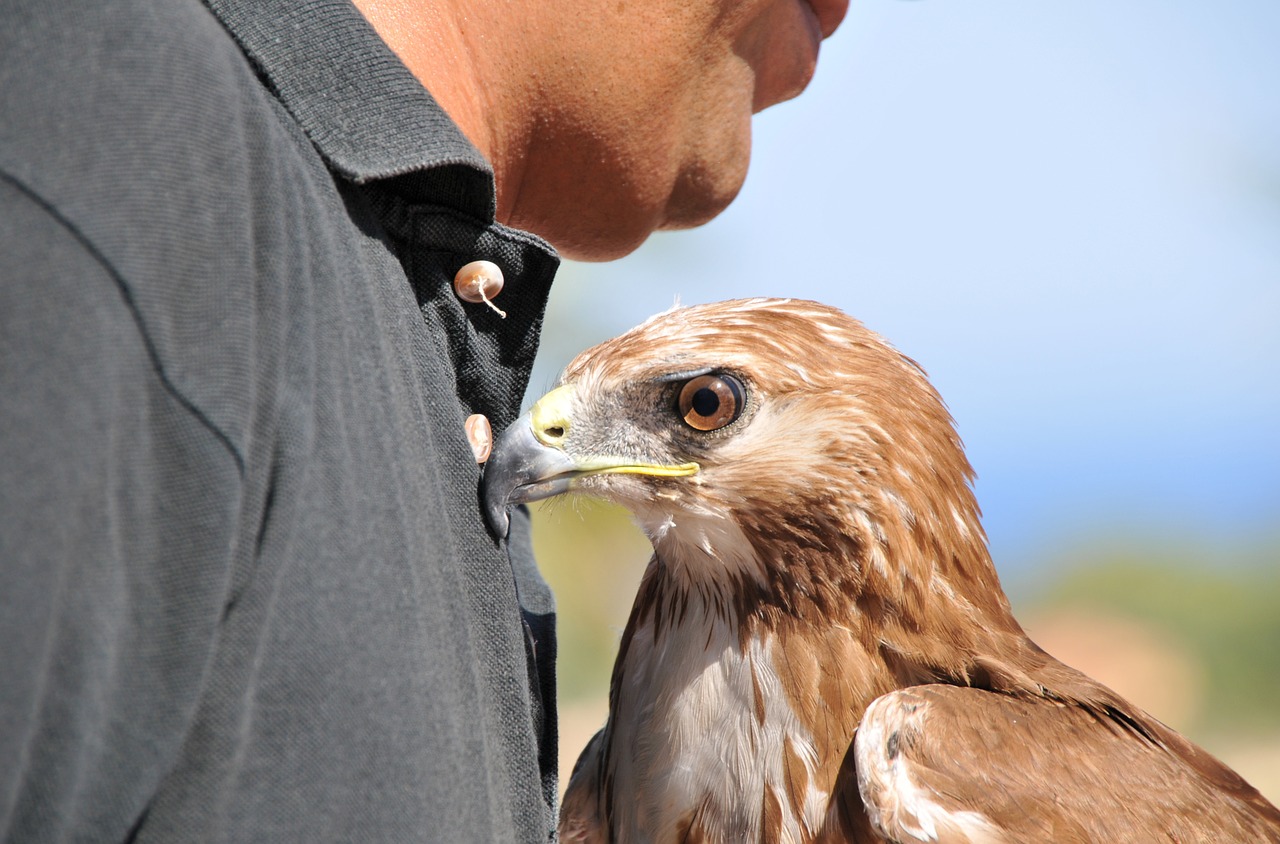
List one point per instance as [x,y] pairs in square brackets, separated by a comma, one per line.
[580,818]
[954,764]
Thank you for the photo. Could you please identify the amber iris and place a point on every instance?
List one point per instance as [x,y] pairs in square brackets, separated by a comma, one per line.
[709,402]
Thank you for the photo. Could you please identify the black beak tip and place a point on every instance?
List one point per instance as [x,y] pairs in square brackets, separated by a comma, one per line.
[495,513]
[515,472]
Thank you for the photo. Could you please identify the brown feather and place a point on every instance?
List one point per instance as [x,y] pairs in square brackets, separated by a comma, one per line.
[970,748]
[834,528]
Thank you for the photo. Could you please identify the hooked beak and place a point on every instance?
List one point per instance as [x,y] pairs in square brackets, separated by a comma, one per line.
[529,461]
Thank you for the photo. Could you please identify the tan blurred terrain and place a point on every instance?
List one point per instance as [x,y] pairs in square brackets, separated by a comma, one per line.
[1191,647]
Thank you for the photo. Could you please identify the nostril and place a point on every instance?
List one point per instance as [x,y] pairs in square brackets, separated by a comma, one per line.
[550,418]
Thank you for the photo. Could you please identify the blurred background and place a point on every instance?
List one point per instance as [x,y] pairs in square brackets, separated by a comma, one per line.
[1069,214]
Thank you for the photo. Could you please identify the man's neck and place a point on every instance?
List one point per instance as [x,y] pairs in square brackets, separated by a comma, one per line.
[443,45]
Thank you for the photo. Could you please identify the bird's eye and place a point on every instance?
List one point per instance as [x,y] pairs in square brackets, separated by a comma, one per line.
[709,402]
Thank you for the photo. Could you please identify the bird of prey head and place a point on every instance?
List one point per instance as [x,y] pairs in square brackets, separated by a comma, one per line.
[820,649]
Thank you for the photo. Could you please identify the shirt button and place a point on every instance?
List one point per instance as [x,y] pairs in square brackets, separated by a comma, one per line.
[479,281]
[480,435]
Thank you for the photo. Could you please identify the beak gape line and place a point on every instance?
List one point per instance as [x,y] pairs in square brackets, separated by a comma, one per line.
[529,462]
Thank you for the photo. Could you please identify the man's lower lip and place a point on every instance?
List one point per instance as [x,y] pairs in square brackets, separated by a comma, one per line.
[829,14]
[787,83]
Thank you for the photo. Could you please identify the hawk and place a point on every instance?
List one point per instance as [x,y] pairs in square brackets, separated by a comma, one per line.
[820,649]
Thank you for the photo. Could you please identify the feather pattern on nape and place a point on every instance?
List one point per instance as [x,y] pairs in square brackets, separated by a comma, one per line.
[820,649]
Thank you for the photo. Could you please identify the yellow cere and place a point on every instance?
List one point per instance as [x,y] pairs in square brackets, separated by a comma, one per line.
[550,420]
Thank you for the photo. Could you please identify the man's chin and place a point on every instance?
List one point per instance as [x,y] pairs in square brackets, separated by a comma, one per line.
[619,238]
[701,195]
[595,250]
[611,225]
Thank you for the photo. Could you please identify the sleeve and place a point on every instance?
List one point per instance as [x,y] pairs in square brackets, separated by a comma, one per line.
[117,508]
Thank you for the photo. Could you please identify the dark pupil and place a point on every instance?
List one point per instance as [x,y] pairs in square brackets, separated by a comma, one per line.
[706,402]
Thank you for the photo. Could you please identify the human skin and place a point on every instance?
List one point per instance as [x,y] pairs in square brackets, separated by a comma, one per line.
[606,120]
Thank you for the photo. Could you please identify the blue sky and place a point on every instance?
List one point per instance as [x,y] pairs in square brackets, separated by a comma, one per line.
[1068,213]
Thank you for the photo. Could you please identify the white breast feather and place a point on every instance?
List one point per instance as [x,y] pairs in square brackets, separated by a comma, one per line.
[688,727]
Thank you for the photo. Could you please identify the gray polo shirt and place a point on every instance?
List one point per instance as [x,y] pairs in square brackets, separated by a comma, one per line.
[246,592]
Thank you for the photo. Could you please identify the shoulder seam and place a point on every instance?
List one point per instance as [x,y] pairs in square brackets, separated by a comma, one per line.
[126,294]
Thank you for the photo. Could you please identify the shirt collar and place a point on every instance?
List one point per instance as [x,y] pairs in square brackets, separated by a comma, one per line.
[365,112]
